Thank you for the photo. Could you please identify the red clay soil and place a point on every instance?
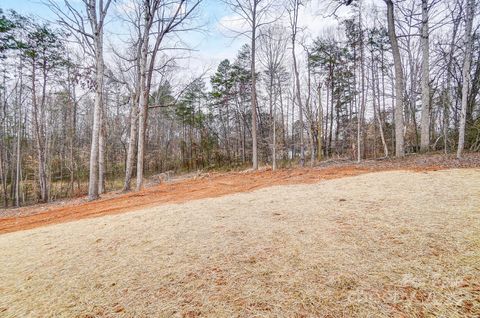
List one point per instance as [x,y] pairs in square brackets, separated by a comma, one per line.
[208,186]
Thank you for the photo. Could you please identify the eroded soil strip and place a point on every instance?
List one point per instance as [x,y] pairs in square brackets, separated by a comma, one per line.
[208,187]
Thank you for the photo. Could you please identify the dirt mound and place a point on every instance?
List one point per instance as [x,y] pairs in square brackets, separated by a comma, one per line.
[215,185]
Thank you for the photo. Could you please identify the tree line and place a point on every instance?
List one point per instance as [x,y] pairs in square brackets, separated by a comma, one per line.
[81,115]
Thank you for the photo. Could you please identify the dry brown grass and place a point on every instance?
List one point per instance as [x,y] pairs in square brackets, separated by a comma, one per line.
[389,244]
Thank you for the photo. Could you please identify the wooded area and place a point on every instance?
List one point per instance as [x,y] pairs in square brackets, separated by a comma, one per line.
[85,110]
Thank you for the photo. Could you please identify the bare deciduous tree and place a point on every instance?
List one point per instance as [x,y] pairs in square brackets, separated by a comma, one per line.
[293,8]
[469,14]
[425,120]
[88,27]
[399,84]
[256,13]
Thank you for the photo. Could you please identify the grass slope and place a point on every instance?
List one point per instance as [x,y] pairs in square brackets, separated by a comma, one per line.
[388,244]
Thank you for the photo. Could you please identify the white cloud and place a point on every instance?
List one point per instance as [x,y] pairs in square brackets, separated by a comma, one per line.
[231,25]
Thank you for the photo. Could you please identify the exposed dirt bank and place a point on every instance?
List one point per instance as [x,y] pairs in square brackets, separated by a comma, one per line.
[215,185]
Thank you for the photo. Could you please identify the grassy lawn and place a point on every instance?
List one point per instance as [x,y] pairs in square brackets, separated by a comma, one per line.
[386,244]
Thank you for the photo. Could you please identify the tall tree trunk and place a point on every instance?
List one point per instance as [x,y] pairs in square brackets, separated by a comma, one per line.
[327,116]
[274,141]
[332,102]
[299,102]
[284,122]
[320,125]
[361,114]
[448,89]
[71,130]
[425,121]
[399,84]
[466,74]
[294,28]
[293,122]
[254,89]
[18,159]
[45,142]
[3,152]
[376,111]
[384,113]
[38,121]
[143,108]
[446,112]
[101,151]
[379,112]
[309,109]
[272,119]
[3,176]
[18,151]
[131,143]
[97,108]
[411,110]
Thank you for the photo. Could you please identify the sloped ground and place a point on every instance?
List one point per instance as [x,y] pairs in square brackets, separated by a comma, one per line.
[215,185]
[387,244]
